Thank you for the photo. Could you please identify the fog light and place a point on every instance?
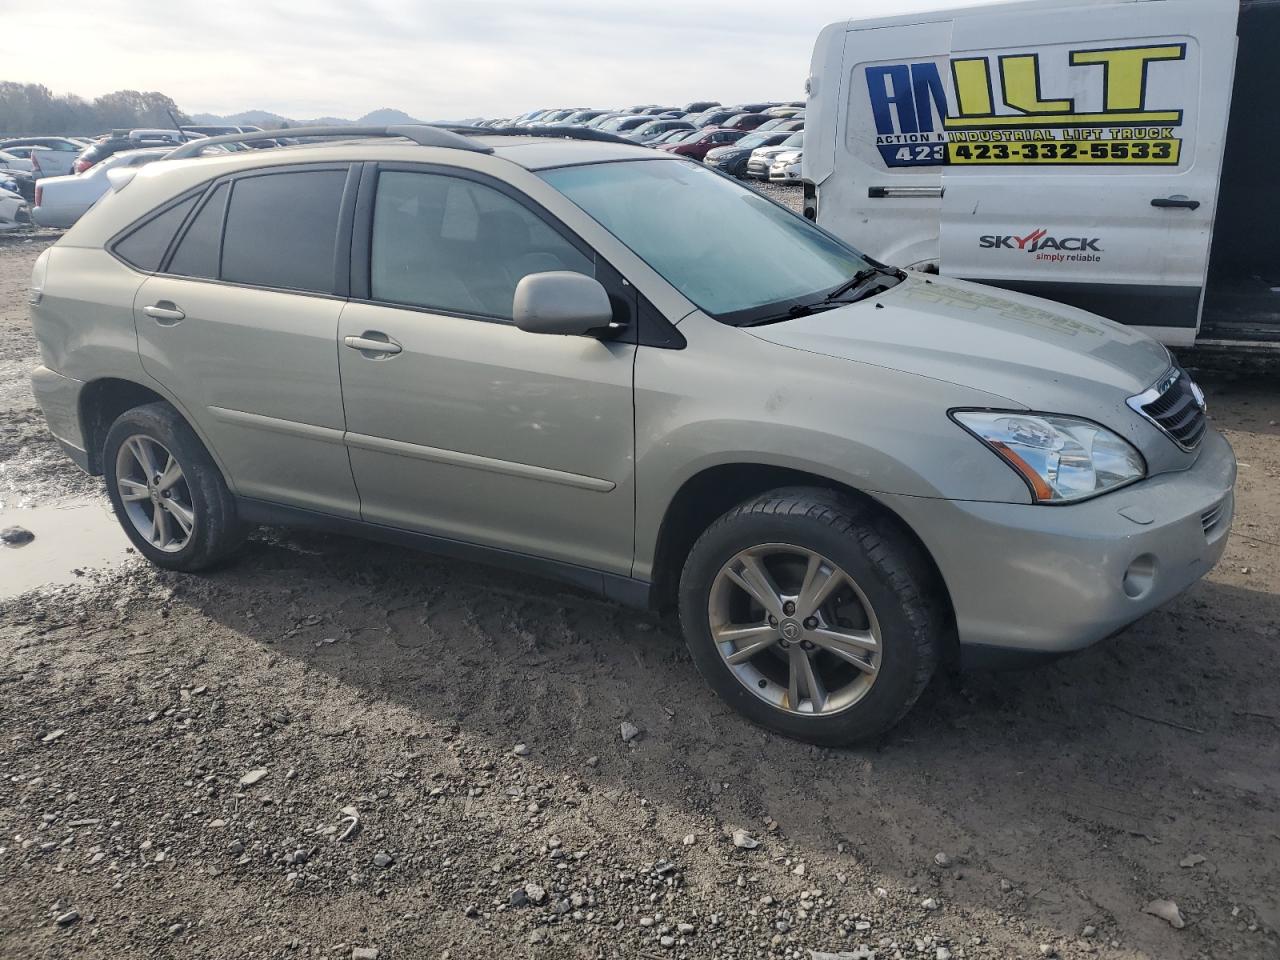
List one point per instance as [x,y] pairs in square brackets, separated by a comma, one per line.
[1140,577]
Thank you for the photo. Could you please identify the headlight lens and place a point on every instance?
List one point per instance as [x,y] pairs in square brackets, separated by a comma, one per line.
[1061,458]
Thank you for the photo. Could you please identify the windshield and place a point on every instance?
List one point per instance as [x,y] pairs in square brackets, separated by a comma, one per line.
[795,140]
[754,139]
[739,257]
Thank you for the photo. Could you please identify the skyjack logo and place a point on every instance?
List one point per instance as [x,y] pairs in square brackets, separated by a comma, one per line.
[1046,248]
[1038,240]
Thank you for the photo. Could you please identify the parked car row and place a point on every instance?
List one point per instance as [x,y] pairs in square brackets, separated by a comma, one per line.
[57,179]
[759,140]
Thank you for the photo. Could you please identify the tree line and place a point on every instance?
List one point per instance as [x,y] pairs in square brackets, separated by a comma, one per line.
[32,108]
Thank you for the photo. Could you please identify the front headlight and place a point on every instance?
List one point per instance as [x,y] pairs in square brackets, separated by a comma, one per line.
[1061,458]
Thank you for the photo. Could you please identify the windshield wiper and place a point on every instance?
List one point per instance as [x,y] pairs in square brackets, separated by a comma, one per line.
[851,291]
[855,284]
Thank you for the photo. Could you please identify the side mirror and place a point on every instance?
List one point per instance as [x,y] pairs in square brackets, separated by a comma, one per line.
[561,302]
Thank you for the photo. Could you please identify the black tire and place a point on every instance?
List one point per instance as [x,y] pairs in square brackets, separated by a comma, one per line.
[886,564]
[217,530]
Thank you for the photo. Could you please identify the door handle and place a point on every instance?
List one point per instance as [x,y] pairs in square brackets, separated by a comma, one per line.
[904,193]
[165,313]
[374,345]
[1176,201]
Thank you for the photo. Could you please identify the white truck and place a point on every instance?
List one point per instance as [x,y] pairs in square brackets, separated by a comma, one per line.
[1116,155]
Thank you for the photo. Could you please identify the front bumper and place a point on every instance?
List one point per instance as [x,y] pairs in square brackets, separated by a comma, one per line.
[1048,580]
[789,172]
[59,400]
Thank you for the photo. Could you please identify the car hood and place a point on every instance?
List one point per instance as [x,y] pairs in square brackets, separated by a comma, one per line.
[1034,353]
[716,153]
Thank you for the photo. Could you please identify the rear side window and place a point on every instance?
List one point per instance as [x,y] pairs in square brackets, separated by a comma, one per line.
[282,230]
[199,249]
[144,248]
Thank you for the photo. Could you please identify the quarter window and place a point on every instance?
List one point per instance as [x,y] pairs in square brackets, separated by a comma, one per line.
[144,248]
[282,230]
[198,250]
[458,246]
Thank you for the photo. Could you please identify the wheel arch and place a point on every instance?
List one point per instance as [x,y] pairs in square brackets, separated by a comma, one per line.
[708,494]
[101,401]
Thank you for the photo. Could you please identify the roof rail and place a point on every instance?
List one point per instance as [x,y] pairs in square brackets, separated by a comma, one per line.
[570,133]
[423,134]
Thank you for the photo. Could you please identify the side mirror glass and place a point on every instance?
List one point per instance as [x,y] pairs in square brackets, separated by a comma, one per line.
[562,302]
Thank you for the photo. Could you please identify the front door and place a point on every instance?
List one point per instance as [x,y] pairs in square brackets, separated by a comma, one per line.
[1083,156]
[460,424]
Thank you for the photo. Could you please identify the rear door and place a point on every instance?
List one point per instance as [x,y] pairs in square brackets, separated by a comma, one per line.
[1084,154]
[240,325]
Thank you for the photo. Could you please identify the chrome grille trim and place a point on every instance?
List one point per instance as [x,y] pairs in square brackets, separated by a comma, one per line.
[1175,405]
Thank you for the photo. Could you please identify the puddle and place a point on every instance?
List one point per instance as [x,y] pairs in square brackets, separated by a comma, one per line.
[72,536]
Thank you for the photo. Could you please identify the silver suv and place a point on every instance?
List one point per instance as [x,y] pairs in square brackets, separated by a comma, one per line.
[619,368]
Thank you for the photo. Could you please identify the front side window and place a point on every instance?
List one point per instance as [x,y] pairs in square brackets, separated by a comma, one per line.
[282,230]
[454,245]
[736,255]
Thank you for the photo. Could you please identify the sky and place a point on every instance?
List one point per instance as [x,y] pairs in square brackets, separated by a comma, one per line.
[434,60]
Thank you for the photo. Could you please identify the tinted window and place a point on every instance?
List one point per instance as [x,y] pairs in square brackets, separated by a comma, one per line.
[282,230]
[197,253]
[144,248]
[458,246]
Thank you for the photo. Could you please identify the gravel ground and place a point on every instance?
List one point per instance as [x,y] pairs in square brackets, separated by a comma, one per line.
[782,192]
[338,749]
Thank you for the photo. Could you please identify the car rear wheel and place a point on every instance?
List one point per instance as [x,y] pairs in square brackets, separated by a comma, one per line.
[167,492]
[813,615]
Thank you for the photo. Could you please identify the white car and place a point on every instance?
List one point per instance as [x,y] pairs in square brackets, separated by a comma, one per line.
[27,158]
[762,158]
[55,157]
[61,201]
[786,167]
[11,161]
[13,210]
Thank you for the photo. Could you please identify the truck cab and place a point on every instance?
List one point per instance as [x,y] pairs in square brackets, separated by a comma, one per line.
[1115,156]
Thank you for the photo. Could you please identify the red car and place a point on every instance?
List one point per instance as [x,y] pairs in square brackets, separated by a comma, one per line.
[698,145]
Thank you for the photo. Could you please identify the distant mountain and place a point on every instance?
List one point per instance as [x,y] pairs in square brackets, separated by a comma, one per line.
[273,121]
[385,117]
[247,118]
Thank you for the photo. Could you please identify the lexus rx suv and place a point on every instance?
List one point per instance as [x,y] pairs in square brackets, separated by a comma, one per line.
[614,366]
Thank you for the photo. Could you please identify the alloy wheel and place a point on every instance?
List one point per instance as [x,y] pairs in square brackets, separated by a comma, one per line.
[155,493]
[795,629]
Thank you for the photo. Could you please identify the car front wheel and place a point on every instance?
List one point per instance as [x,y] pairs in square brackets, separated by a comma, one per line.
[813,615]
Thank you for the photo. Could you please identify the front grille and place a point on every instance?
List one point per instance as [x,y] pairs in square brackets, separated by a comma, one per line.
[1174,405]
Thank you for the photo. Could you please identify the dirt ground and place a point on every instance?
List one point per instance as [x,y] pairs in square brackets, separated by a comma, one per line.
[382,694]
